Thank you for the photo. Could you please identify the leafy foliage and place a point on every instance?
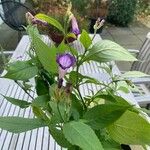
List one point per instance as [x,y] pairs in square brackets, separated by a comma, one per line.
[103,115]
[21,70]
[130,128]
[18,124]
[45,54]
[121,12]
[85,39]
[106,50]
[51,21]
[98,121]
[78,133]
[17,102]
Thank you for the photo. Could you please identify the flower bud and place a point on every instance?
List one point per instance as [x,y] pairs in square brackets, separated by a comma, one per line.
[99,23]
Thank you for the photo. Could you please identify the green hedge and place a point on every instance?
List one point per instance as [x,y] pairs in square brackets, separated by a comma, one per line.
[121,12]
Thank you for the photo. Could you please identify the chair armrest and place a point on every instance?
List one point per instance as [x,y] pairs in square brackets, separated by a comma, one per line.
[7,52]
[143,99]
[140,80]
[135,51]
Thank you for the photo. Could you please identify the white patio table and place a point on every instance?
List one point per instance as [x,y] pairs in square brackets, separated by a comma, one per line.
[39,139]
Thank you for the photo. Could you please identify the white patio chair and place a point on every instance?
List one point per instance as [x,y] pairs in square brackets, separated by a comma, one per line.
[143,65]
[6,54]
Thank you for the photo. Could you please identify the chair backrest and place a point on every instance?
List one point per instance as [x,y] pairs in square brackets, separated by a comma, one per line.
[144,57]
[13,14]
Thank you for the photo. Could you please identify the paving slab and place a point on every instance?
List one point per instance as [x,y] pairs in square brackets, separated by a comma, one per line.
[127,39]
[113,30]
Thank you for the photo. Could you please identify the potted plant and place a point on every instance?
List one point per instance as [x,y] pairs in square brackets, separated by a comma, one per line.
[59,10]
[96,9]
[100,121]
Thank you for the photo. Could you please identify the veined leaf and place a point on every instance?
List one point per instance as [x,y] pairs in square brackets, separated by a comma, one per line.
[132,74]
[80,134]
[71,35]
[21,70]
[103,115]
[41,86]
[46,54]
[19,124]
[51,21]
[17,102]
[59,137]
[105,51]
[130,128]
[41,101]
[85,39]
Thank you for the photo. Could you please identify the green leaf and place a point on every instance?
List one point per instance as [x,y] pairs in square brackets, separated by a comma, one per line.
[30,29]
[41,101]
[21,70]
[59,112]
[39,113]
[132,74]
[45,54]
[19,124]
[85,39]
[76,107]
[80,134]
[17,102]
[62,47]
[114,99]
[73,75]
[123,89]
[41,86]
[51,21]
[59,137]
[103,115]
[130,128]
[72,35]
[105,51]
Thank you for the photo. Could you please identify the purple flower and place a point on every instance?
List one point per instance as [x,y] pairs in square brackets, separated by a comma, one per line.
[65,61]
[39,22]
[31,19]
[75,28]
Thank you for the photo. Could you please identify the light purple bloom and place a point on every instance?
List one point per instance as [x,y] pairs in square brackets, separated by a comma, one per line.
[65,61]
[75,28]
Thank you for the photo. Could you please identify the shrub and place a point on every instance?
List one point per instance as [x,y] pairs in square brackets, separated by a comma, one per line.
[143,7]
[121,12]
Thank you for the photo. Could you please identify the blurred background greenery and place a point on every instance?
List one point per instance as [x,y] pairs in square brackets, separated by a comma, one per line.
[117,12]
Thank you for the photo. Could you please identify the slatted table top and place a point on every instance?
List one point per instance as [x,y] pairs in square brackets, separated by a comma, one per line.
[39,139]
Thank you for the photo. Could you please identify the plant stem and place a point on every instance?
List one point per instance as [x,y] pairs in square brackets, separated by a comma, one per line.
[77,86]
[94,35]
[84,105]
[24,89]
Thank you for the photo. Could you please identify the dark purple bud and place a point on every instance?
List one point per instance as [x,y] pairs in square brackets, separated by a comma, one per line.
[60,82]
[75,28]
[68,88]
[40,22]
